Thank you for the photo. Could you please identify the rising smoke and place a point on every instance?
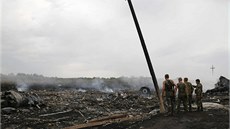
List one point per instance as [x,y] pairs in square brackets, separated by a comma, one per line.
[26,82]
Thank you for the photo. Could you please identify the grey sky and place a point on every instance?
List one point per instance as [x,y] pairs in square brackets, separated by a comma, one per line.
[87,38]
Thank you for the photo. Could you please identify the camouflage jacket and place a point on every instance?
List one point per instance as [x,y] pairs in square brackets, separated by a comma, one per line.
[199,89]
[181,89]
[189,88]
[169,87]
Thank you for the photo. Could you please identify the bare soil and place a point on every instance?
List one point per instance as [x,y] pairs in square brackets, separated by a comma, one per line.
[210,119]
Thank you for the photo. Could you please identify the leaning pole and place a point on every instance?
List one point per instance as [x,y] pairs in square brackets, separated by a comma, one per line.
[162,109]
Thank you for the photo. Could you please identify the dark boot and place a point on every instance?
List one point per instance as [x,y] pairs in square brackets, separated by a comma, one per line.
[190,109]
[201,108]
[198,109]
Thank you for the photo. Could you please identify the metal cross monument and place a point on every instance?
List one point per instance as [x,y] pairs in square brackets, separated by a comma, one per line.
[212,69]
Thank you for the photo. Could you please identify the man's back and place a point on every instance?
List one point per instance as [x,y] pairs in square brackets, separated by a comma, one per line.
[189,88]
[199,89]
[181,89]
[169,87]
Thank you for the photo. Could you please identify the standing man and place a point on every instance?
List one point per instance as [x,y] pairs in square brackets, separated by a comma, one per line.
[189,91]
[169,92]
[199,95]
[182,96]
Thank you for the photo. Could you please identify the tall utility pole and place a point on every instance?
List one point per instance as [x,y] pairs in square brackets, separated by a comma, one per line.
[146,56]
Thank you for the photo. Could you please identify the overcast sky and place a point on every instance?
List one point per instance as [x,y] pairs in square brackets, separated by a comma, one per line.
[98,38]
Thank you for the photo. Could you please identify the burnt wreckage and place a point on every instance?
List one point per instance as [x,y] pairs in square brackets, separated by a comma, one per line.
[222,86]
[16,99]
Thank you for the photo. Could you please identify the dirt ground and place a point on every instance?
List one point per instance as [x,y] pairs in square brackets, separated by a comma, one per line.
[124,110]
[209,119]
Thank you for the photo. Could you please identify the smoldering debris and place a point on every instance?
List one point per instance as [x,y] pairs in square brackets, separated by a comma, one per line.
[76,109]
[84,108]
[16,99]
[69,108]
[26,82]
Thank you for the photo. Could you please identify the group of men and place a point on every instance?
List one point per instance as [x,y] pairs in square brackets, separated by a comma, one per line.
[184,91]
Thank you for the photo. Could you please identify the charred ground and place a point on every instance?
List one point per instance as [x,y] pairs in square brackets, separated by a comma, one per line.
[70,108]
[79,108]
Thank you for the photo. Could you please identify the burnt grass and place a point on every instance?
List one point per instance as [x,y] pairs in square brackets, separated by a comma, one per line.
[71,107]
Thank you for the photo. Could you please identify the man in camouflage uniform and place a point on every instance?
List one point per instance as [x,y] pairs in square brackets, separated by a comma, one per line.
[169,92]
[199,95]
[182,96]
[189,91]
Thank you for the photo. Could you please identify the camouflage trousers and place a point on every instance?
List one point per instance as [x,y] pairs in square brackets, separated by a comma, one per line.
[183,99]
[199,103]
[189,102]
[170,103]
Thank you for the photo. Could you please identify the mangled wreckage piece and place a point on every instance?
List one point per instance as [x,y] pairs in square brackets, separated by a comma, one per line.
[12,99]
[34,100]
[8,110]
[145,90]
[16,99]
[220,87]
[211,105]
[55,113]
